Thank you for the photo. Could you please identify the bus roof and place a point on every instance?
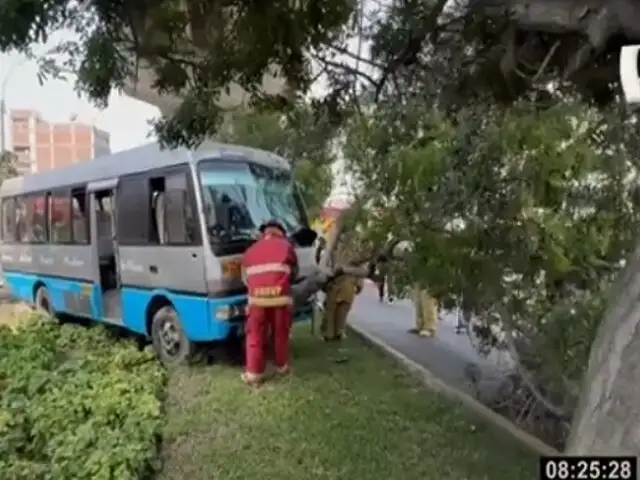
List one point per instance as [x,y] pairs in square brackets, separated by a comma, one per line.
[135,160]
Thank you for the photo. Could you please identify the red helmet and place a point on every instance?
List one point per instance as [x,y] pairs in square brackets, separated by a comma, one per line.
[273,223]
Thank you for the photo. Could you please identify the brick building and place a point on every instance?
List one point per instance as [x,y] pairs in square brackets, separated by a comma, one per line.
[40,145]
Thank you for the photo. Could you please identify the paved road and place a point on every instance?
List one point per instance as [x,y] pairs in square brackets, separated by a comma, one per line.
[448,355]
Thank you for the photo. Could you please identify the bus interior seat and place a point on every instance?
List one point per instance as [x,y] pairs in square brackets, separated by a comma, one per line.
[158,209]
[106,252]
[79,227]
[105,236]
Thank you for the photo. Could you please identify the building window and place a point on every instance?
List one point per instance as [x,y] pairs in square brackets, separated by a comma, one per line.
[60,217]
[21,150]
[8,220]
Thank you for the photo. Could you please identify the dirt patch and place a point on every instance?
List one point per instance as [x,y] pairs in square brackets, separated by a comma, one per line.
[13,313]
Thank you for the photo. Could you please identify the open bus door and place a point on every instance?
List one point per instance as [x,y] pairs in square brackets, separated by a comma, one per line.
[102,195]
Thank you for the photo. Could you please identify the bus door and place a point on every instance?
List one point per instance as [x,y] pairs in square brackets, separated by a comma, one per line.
[105,248]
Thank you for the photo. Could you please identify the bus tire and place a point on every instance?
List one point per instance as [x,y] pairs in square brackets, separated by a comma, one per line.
[43,303]
[168,338]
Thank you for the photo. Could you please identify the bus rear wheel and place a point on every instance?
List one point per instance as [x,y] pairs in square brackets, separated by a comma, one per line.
[169,339]
[43,303]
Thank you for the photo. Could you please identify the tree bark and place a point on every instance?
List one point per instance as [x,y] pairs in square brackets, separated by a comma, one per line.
[316,280]
[607,420]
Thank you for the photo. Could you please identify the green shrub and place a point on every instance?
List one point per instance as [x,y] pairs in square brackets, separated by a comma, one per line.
[76,403]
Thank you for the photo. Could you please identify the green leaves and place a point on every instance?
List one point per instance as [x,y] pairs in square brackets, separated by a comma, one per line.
[195,50]
[521,211]
[76,403]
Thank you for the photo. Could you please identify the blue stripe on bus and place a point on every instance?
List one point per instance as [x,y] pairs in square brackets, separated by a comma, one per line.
[196,312]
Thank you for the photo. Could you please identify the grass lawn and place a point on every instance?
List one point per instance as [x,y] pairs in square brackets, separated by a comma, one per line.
[362,419]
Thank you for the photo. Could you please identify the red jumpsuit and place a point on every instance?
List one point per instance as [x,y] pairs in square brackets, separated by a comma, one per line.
[268,267]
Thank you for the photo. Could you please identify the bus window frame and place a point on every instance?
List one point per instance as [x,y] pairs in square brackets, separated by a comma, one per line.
[147,176]
[12,208]
[26,197]
[237,247]
[85,209]
[52,194]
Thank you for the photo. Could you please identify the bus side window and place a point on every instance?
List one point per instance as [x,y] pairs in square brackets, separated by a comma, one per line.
[134,225]
[37,214]
[8,220]
[79,217]
[180,211]
[59,217]
[104,216]
[22,234]
[158,232]
[173,213]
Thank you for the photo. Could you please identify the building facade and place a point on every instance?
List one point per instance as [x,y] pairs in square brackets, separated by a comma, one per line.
[40,145]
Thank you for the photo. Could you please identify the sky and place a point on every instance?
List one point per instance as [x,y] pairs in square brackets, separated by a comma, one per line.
[126,119]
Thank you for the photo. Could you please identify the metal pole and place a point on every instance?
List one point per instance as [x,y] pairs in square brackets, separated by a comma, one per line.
[3,114]
[3,105]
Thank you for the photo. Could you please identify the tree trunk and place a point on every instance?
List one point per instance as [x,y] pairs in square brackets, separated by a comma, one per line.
[318,278]
[607,420]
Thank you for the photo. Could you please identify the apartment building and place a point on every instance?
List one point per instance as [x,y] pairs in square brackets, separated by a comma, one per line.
[40,145]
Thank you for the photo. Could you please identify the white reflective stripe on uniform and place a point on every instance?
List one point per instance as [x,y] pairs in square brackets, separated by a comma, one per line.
[268,268]
[270,301]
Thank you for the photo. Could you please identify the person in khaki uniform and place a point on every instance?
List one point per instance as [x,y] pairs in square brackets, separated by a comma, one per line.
[382,279]
[426,312]
[340,294]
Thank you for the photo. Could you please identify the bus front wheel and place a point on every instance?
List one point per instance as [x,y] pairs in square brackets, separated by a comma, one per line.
[168,337]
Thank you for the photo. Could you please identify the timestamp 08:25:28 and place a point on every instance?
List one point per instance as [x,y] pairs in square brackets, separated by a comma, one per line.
[588,468]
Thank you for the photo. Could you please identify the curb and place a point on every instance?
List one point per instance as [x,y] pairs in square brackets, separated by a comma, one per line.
[432,382]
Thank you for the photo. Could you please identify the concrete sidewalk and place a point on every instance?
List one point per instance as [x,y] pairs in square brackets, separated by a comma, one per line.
[450,356]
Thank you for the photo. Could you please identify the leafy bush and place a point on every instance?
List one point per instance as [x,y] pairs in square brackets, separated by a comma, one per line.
[76,403]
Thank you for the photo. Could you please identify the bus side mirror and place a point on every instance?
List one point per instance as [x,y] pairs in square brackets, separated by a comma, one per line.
[305,237]
[629,75]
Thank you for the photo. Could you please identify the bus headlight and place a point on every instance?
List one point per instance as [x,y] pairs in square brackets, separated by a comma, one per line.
[227,312]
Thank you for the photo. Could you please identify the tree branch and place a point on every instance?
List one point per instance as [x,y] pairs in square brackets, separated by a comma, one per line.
[417,37]
[348,68]
[526,376]
[355,56]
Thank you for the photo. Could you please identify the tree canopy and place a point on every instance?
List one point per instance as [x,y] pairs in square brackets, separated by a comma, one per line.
[522,216]
[466,50]
[7,165]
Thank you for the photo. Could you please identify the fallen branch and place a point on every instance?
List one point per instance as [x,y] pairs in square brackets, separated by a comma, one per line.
[317,279]
[525,375]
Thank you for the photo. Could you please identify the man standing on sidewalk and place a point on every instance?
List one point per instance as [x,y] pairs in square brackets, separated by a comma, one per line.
[426,312]
[341,292]
[268,266]
[381,278]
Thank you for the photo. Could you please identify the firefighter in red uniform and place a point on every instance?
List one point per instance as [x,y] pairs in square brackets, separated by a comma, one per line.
[268,267]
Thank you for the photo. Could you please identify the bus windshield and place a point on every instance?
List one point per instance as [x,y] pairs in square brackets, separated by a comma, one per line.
[238,197]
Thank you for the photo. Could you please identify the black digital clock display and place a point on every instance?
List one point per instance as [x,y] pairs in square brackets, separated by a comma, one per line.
[588,468]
